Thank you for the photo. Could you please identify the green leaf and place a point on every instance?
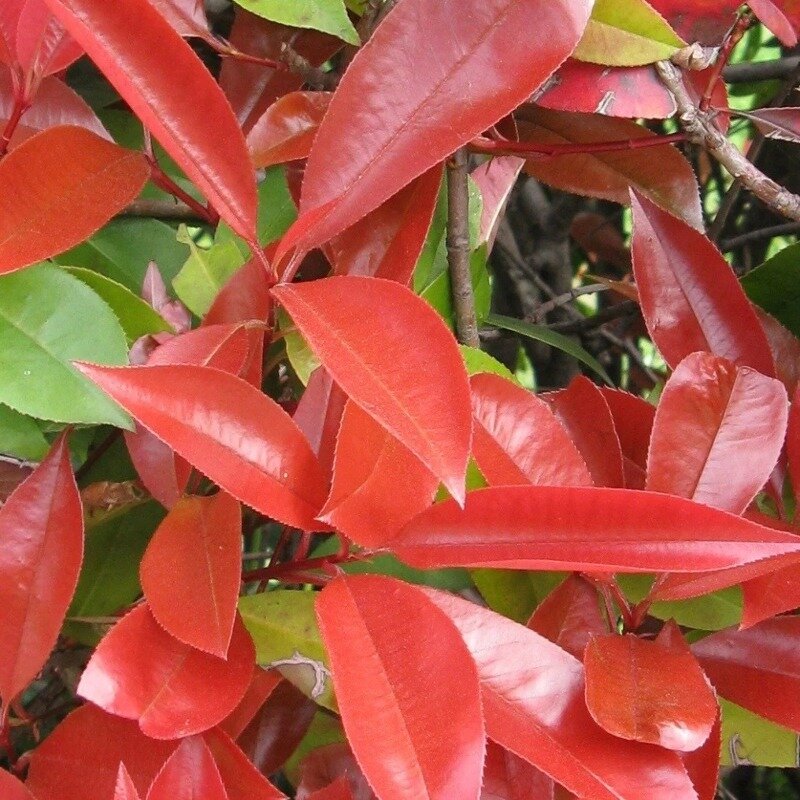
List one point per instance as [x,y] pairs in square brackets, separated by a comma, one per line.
[205,272]
[711,612]
[136,317]
[775,287]
[284,629]
[123,249]
[300,355]
[626,33]
[109,580]
[478,361]
[325,729]
[20,436]
[439,292]
[515,593]
[750,739]
[276,211]
[47,320]
[541,333]
[329,16]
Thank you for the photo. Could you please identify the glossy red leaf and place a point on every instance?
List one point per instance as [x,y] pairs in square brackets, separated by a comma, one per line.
[190,129]
[634,92]
[703,764]
[662,173]
[244,297]
[570,615]
[234,434]
[253,88]
[417,733]
[518,440]
[757,668]
[583,411]
[12,789]
[241,779]
[190,773]
[388,241]
[261,686]
[703,21]
[287,128]
[319,415]
[193,564]
[41,549]
[508,777]
[80,759]
[633,422]
[785,348]
[406,372]
[187,17]
[43,47]
[533,698]
[769,595]
[162,472]
[690,297]
[139,671]
[59,187]
[226,347]
[717,434]
[338,790]
[125,788]
[649,691]
[327,764]
[378,484]
[278,728]
[376,138]
[589,529]
[779,19]
[777,123]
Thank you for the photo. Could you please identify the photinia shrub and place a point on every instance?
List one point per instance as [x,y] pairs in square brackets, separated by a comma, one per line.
[295,500]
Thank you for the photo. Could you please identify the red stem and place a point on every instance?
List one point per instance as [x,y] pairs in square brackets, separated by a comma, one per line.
[163,181]
[293,568]
[508,148]
[247,58]
[20,107]
[744,21]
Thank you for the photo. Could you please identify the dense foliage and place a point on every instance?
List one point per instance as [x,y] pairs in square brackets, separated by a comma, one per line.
[380,415]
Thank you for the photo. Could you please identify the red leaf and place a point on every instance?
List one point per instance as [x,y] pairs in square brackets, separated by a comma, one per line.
[376,138]
[495,179]
[570,615]
[241,779]
[338,790]
[43,46]
[325,765]
[287,128]
[709,414]
[582,410]
[125,788]
[187,17]
[378,484]
[775,20]
[189,124]
[319,415]
[261,686]
[388,241]
[785,348]
[59,187]
[662,173]
[244,297]
[226,347]
[163,473]
[634,92]
[238,437]
[588,529]
[689,295]
[758,668]
[41,549]
[415,732]
[190,773]
[278,729]
[533,698]
[139,671]
[12,789]
[703,764]
[769,595]
[777,123]
[518,440]
[703,21]
[80,759]
[507,777]
[649,691]
[409,375]
[194,562]
[633,422]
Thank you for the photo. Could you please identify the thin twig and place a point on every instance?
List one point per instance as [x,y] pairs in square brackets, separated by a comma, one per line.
[563,299]
[786,229]
[458,249]
[163,209]
[627,308]
[497,147]
[700,129]
[761,70]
